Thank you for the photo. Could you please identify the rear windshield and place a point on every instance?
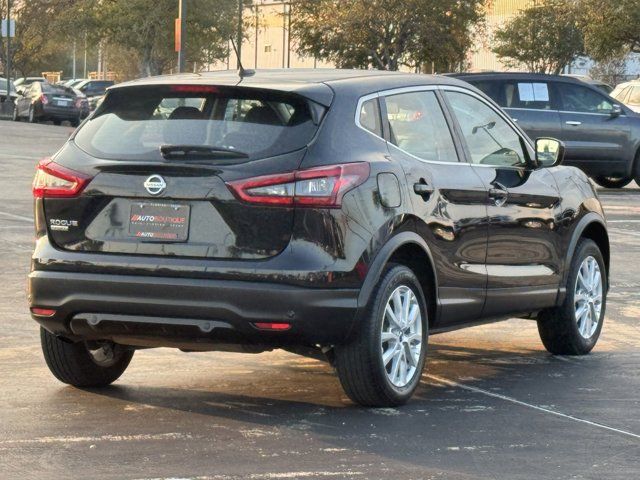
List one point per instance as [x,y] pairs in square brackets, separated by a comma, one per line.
[133,123]
[56,89]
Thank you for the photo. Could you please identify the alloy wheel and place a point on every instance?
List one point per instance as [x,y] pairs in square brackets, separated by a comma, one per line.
[401,336]
[587,297]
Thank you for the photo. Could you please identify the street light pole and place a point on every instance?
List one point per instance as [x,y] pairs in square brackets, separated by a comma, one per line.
[8,65]
[239,34]
[183,34]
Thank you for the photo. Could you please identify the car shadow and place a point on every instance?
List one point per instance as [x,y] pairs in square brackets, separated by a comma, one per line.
[314,404]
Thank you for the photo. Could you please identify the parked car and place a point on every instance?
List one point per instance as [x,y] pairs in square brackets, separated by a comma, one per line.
[42,101]
[605,87]
[602,137]
[23,82]
[94,90]
[340,214]
[629,94]
[73,82]
[3,90]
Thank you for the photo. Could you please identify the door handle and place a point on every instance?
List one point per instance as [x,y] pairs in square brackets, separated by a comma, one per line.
[573,123]
[421,188]
[499,195]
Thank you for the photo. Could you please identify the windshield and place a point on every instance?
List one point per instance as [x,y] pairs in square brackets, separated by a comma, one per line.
[133,123]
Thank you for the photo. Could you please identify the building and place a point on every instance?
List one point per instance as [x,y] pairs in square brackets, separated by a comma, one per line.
[268,44]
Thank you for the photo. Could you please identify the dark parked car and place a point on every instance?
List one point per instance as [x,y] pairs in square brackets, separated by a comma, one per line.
[3,90]
[602,137]
[42,101]
[94,90]
[341,214]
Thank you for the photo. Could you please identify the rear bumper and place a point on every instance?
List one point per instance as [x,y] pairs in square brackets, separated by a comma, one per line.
[60,112]
[188,313]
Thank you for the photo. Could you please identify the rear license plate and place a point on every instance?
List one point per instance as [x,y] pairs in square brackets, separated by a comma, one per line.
[63,103]
[161,222]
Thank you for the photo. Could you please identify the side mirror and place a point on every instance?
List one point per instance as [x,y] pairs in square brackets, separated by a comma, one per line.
[549,152]
[616,110]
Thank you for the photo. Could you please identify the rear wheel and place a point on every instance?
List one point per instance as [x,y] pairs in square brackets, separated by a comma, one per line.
[57,122]
[83,365]
[32,115]
[612,182]
[574,327]
[382,366]
[74,123]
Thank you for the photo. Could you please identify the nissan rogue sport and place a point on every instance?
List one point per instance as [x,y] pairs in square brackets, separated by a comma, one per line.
[342,214]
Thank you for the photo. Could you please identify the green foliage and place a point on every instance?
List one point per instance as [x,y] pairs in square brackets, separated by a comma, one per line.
[611,28]
[543,38]
[386,34]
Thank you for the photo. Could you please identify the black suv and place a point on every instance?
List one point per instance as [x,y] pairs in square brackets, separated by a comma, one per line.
[602,136]
[342,214]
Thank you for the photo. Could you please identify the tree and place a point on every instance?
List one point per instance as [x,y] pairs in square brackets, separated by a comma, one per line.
[543,38]
[145,28]
[386,34]
[611,28]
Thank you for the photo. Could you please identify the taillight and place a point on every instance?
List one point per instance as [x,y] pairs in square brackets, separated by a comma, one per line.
[53,180]
[321,186]
[44,99]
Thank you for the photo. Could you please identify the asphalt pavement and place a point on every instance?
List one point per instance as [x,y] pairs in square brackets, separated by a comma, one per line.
[493,404]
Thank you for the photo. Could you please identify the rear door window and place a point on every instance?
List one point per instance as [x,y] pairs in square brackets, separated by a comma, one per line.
[418,126]
[529,95]
[133,123]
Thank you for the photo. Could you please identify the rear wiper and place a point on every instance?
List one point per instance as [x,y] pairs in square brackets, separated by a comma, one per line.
[195,152]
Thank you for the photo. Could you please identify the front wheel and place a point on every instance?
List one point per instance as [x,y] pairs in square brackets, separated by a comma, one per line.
[575,326]
[382,366]
[612,182]
[83,365]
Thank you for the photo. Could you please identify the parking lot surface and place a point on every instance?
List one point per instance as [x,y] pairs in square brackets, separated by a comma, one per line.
[493,404]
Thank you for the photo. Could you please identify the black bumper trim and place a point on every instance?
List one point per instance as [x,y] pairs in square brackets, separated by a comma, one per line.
[316,315]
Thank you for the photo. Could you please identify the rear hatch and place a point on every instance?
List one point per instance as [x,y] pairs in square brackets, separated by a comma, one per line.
[58,96]
[153,167]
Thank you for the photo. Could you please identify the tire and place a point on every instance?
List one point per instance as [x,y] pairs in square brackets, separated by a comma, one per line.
[57,122]
[360,365]
[612,182]
[561,332]
[74,364]
[75,123]
[32,116]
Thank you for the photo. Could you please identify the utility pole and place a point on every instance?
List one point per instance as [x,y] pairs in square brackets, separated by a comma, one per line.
[84,74]
[8,65]
[289,37]
[239,35]
[182,22]
[74,60]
